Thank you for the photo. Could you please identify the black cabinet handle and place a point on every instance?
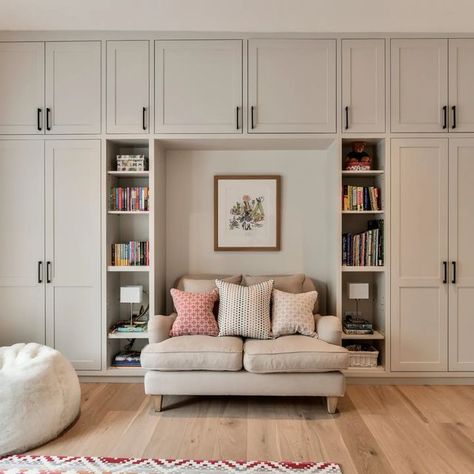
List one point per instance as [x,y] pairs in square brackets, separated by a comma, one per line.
[445,267]
[39,117]
[445,117]
[48,118]
[346,109]
[454,116]
[40,272]
[48,272]
[454,273]
[252,123]
[144,118]
[237,117]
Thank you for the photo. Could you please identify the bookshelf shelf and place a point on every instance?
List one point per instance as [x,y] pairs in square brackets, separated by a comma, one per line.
[345,268]
[119,213]
[130,174]
[363,173]
[362,212]
[128,335]
[124,268]
[377,335]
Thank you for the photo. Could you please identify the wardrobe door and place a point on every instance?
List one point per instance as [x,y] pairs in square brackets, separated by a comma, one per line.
[461,255]
[419,81]
[128,87]
[292,85]
[73,76]
[21,88]
[73,255]
[419,312]
[22,312]
[461,85]
[198,86]
[363,85]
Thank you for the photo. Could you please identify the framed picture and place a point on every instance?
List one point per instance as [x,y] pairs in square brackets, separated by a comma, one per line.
[247,213]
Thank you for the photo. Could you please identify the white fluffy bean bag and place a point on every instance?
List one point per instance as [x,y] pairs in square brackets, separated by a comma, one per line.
[39,396]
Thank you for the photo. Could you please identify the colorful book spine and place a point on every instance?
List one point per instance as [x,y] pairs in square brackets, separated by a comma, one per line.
[129,199]
[365,248]
[131,253]
[360,198]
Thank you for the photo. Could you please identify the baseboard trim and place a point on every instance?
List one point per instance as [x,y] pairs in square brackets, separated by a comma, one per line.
[110,379]
[410,380]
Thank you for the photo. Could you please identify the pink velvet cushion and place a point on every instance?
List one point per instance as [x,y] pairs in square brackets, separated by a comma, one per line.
[195,314]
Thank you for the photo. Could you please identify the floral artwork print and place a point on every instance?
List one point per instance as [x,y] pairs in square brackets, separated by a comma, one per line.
[247,214]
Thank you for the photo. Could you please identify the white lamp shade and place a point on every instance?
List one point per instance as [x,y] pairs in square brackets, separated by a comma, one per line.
[131,294]
[358,291]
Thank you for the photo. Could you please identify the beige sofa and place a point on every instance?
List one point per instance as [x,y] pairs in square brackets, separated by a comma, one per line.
[205,365]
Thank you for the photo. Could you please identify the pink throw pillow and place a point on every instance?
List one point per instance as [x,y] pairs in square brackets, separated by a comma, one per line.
[195,314]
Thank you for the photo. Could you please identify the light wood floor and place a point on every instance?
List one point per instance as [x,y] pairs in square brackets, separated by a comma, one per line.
[378,429]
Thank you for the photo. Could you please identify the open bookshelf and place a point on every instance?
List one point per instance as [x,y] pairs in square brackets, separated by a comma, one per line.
[135,218]
[369,194]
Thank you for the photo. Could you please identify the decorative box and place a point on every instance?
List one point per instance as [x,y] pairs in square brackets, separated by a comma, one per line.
[362,355]
[131,163]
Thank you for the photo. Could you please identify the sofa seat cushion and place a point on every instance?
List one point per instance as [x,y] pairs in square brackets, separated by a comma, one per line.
[294,353]
[194,353]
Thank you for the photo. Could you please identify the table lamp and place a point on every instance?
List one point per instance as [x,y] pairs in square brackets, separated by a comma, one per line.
[358,291]
[131,294]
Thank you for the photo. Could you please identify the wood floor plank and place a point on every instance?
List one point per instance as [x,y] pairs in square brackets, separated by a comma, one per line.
[378,429]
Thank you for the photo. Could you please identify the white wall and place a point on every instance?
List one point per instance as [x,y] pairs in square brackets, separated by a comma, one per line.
[240,15]
[305,212]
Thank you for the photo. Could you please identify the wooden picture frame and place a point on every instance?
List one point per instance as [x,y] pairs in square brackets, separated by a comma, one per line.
[247,213]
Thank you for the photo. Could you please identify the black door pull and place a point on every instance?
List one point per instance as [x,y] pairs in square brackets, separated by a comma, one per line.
[346,109]
[252,123]
[48,118]
[454,273]
[39,116]
[445,278]
[48,272]
[445,117]
[144,118]
[40,272]
[454,116]
[237,117]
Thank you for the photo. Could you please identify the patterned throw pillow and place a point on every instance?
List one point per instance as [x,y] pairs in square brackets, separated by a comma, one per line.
[194,313]
[293,313]
[245,310]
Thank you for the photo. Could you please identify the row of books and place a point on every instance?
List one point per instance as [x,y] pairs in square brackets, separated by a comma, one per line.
[129,199]
[132,253]
[366,248]
[360,198]
[357,326]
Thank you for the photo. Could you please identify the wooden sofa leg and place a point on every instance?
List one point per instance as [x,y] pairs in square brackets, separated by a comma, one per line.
[332,404]
[157,402]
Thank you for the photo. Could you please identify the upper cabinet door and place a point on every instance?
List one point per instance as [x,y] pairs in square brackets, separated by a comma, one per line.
[363,85]
[73,77]
[292,86]
[461,85]
[21,88]
[128,87]
[419,80]
[198,86]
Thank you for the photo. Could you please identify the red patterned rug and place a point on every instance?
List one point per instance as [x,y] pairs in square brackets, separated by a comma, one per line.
[24,463]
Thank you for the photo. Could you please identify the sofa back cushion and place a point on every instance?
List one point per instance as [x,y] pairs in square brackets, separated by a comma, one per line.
[245,310]
[195,316]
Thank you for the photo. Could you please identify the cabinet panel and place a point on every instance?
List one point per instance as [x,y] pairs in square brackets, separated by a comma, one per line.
[461,85]
[128,88]
[292,85]
[21,88]
[419,316]
[419,79]
[198,86]
[73,246]
[461,230]
[22,311]
[73,83]
[363,85]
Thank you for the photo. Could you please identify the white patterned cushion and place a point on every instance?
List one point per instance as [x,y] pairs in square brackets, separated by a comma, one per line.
[293,313]
[244,310]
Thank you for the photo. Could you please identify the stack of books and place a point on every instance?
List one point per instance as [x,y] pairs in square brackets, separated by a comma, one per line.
[360,198]
[131,254]
[366,248]
[357,326]
[129,199]
[127,359]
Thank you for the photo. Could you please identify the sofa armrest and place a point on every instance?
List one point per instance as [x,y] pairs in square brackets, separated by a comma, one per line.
[329,329]
[159,327]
